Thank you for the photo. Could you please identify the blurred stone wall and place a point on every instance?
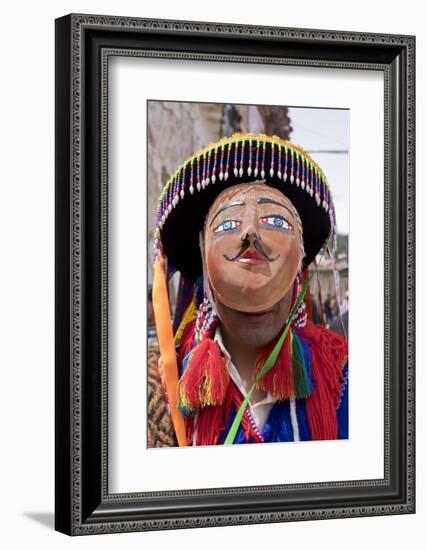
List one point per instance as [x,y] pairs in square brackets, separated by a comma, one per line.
[175,131]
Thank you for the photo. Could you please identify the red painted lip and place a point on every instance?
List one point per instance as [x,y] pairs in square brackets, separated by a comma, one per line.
[251,257]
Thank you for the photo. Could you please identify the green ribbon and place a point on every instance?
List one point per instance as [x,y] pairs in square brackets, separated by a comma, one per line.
[270,362]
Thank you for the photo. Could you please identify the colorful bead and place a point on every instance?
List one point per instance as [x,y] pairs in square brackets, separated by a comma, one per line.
[191,178]
[325,199]
[241,171]
[285,163]
[214,165]
[250,159]
[182,183]
[222,153]
[198,174]
[262,172]
[236,159]
[253,424]
[305,176]
[279,174]
[208,168]
[256,168]
[175,193]
[308,177]
[169,197]
[297,169]
[271,171]
[315,189]
[310,190]
[227,162]
[203,179]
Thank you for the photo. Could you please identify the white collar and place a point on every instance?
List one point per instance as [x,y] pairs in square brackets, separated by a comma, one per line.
[259,410]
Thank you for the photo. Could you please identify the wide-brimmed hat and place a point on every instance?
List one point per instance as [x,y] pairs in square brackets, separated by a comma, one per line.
[241,158]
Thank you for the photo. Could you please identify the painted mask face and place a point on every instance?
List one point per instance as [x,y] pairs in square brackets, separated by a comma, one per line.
[252,247]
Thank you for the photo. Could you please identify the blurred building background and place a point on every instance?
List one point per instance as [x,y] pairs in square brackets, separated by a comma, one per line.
[176,130]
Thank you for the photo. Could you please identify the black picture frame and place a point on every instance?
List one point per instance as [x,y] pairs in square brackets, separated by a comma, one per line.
[83,45]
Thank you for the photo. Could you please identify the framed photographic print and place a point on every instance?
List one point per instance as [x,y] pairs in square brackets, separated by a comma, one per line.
[234,274]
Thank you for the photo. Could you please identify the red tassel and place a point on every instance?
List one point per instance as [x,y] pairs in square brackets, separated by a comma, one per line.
[279,380]
[212,421]
[205,379]
[186,341]
[209,426]
[190,428]
[329,355]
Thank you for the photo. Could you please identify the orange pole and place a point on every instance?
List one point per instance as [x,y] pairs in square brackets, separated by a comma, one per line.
[160,302]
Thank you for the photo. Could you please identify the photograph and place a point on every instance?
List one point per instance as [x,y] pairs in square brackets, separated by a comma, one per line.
[248,286]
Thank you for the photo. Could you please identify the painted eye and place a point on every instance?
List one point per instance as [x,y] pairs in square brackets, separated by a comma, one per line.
[276,221]
[227,225]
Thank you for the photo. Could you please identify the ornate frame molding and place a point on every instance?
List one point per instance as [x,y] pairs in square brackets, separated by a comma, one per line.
[84,43]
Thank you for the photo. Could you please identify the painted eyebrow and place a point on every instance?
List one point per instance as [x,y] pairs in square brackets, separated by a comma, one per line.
[265,200]
[228,205]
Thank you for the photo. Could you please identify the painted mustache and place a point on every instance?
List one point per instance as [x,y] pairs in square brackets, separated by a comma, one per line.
[245,246]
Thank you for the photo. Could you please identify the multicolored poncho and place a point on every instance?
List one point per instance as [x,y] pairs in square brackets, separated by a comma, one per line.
[309,382]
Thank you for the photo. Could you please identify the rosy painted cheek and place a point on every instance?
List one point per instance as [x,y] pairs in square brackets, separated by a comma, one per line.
[293,256]
[293,263]
[289,258]
[215,262]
